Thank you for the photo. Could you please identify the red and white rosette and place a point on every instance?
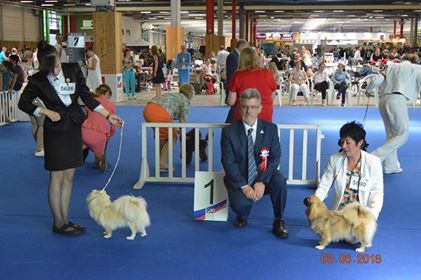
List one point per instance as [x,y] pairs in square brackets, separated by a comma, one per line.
[264,153]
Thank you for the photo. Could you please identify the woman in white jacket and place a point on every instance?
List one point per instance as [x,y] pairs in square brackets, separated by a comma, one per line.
[355,174]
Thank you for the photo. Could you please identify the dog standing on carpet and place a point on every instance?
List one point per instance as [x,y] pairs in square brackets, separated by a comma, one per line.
[353,223]
[126,211]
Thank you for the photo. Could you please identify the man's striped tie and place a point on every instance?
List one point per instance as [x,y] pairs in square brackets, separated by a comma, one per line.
[252,169]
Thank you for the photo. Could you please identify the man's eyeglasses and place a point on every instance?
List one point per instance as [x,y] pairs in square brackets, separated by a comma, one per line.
[253,107]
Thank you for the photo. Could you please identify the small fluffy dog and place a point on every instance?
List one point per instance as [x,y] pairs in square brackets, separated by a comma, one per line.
[126,211]
[354,223]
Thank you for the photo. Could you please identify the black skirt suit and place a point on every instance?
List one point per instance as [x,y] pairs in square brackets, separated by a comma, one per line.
[62,139]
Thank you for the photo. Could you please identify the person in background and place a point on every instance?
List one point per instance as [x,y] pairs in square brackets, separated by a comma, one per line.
[93,79]
[18,76]
[272,67]
[232,66]
[376,56]
[354,174]
[7,75]
[129,75]
[3,56]
[402,83]
[7,79]
[296,57]
[357,55]
[250,74]
[261,55]
[165,109]
[250,156]
[306,57]
[162,58]
[298,79]
[2,70]
[183,64]
[394,55]
[157,73]
[37,129]
[321,82]
[221,58]
[62,127]
[61,48]
[341,80]
[35,61]
[96,130]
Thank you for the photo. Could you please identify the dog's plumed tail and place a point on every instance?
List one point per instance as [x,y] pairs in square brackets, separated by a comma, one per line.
[133,209]
[360,216]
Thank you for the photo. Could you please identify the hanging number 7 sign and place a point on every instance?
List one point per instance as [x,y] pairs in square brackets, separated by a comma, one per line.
[210,197]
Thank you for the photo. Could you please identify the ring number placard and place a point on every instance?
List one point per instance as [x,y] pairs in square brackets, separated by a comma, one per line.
[76,40]
[210,197]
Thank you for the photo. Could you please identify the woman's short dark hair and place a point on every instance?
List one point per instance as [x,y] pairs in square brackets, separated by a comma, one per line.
[47,55]
[354,130]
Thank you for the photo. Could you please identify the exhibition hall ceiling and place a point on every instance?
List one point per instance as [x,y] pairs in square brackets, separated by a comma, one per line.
[271,15]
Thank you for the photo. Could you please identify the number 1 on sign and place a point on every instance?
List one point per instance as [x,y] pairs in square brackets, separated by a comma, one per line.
[211,185]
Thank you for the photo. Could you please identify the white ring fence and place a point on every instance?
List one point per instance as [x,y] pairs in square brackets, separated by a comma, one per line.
[306,137]
[8,107]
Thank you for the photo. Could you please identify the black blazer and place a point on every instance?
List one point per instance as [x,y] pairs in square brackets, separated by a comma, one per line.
[232,65]
[234,152]
[39,86]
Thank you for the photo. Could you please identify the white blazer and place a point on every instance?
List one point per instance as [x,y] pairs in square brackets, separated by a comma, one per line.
[371,182]
[404,78]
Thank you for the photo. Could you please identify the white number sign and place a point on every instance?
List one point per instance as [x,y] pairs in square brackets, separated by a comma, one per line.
[210,197]
[76,40]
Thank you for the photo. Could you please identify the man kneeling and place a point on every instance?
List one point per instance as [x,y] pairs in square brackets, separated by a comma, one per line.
[250,156]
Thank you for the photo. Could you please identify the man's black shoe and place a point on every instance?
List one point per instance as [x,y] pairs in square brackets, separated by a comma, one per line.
[279,229]
[239,222]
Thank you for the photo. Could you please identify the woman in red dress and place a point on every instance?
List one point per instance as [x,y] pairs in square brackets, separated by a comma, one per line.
[250,74]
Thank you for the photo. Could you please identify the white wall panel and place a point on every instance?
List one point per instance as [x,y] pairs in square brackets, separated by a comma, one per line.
[132,30]
[12,24]
[31,26]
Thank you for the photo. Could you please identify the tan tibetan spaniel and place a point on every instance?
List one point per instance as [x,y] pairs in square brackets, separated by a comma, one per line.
[354,223]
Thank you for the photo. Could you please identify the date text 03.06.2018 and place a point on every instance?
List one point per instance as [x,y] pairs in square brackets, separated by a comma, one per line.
[349,259]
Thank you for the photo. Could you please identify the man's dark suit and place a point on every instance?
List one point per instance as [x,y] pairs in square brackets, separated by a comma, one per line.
[232,65]
[235,163]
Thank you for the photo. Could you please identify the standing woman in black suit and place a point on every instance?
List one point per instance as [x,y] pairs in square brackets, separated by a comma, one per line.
[59,86]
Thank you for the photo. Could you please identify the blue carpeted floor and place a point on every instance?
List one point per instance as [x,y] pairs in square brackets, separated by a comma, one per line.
[178,247]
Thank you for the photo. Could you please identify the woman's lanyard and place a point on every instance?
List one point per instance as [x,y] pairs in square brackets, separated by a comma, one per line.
[359,175]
